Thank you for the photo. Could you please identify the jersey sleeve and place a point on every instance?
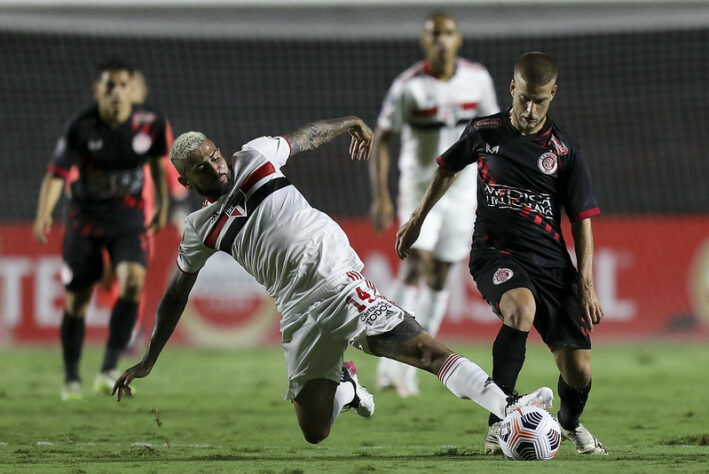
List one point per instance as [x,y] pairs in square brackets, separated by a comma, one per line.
[192,253]
[65,153]
[488,102]
[459,155]
[277,150]
[578,197]
[391,116]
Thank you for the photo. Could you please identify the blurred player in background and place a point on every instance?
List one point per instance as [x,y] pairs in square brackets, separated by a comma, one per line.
[528,170]
[109,143]
[305,262]
[108,291]
[429,104]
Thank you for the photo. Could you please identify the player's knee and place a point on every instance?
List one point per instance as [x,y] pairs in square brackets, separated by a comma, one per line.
[578,376]
[132,287]
[315,434]
[521,317]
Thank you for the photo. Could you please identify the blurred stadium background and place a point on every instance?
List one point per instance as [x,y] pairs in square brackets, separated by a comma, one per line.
[633,91]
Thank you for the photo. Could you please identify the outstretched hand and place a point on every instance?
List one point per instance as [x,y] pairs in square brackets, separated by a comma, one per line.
[122,384]
[362,140]
[405,238]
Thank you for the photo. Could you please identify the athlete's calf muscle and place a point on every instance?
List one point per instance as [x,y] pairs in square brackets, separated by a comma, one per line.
[410,343]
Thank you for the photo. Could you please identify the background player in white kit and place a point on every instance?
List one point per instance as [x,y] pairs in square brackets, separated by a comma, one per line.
[305,262]
[429,104]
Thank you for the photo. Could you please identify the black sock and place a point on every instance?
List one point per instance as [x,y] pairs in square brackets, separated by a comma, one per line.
[72,336]
[123,319]
[508,353]
[573,402]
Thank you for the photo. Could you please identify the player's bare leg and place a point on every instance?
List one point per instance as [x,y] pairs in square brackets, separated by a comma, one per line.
[574,386]
[319,403]
[131,279]
[72,336]
[409,343]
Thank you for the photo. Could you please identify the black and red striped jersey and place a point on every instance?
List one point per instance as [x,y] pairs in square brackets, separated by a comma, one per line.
[107,196]
[523,183]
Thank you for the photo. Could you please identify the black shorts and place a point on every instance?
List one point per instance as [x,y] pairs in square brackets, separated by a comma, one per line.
[559,318]
[83,261]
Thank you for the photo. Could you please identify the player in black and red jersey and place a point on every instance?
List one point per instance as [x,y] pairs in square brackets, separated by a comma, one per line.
[109,143]
[528,170]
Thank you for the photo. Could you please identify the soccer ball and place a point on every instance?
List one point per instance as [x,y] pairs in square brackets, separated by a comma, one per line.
[529,434]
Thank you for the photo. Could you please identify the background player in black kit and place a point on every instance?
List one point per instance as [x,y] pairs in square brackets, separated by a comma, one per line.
[109,143]
[528,169]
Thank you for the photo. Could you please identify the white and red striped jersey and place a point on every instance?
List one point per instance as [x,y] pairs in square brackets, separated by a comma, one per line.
[270,229]
[431,114]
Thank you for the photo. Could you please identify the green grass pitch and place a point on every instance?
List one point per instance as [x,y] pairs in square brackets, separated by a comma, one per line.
[222,411]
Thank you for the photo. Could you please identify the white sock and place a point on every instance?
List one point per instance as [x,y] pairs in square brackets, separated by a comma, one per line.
[431,308]
[344,394]
[405,297]
[468,381]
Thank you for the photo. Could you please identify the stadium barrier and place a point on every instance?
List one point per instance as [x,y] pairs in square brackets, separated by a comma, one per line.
[647,290]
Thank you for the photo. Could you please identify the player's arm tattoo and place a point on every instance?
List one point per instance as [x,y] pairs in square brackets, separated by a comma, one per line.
[393,343]
[315,134]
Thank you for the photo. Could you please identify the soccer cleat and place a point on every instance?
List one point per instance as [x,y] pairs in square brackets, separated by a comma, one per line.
[540,398]
[492,439]
[584,441]
[104,381]
[363,401]
[71,391]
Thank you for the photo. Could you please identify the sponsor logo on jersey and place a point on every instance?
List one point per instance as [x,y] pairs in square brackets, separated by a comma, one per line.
[143,117]
[95,145]
[548,163]
[518,199]
[487,123]
[491,150]
[502,275]
[559,146]
[142,143]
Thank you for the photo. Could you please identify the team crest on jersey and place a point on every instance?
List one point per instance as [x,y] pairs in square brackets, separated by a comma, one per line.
[548,163]
[487,123]
[142,143]
[502,275]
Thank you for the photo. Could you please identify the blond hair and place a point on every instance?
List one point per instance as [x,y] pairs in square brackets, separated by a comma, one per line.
[185,146]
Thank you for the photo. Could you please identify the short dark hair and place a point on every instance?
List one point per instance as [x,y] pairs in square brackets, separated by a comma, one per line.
[536,68]
[113,65]
[435,15]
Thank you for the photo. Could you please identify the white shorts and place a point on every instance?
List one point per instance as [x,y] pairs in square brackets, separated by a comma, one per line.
[314,340]
[447,231]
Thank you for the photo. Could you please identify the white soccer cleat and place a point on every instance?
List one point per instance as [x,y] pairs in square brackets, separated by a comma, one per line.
[584,441]
[492,439]
[540,398]
[363,401]
[104,381]
[71,391]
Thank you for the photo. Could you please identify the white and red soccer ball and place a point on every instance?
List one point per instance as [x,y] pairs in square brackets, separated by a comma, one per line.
[530,434]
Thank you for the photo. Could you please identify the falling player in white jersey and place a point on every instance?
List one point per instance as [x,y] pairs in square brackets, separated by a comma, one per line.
[429,104]
[305,262]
